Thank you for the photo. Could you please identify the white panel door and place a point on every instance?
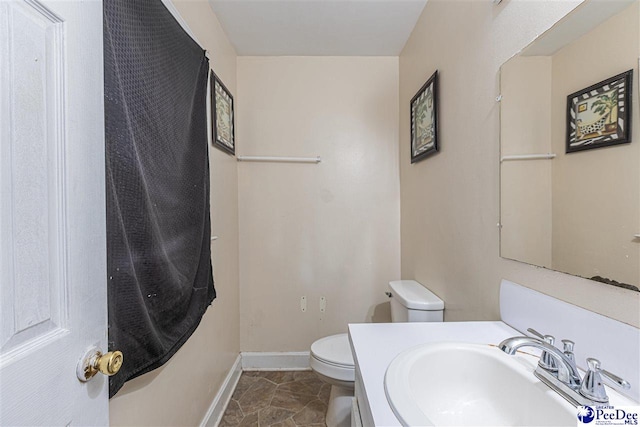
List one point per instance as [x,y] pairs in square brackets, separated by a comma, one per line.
[52,216]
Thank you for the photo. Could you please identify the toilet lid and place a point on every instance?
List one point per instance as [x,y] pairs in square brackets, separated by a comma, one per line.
[334,349]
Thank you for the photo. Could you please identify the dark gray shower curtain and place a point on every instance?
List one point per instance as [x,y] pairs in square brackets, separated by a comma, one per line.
[160,280]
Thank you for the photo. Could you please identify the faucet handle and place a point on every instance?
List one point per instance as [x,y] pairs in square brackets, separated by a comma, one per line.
[568,345]
[613,378]
[568,349]
[546,360]
[535,333]
[592,387]
[549,339]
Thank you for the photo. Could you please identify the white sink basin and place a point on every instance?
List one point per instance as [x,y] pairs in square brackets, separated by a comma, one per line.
[471,384]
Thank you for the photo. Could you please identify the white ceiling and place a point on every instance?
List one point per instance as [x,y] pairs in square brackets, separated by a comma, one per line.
[318,27]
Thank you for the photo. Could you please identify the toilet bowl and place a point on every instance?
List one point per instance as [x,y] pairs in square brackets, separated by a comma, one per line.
[330,357]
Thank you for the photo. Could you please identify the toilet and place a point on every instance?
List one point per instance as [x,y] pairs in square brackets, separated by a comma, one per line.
[331,357]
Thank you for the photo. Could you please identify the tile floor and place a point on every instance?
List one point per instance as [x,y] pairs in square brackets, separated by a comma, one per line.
[279,399]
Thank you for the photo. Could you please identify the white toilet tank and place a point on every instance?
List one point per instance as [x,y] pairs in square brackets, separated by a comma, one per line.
[412,302]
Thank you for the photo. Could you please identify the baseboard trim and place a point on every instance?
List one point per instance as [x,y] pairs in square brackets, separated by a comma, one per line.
[251,361]
[222,398]
[275,361]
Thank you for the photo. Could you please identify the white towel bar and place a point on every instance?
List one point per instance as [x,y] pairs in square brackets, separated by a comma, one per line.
[528,157]
[279,159]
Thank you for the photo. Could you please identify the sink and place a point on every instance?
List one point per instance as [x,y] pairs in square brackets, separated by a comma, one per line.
[471,384]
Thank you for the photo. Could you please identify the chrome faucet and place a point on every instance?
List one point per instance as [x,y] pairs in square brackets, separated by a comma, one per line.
[566,371]
[557,369]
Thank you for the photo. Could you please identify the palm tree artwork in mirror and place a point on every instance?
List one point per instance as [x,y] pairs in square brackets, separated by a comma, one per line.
[600,115]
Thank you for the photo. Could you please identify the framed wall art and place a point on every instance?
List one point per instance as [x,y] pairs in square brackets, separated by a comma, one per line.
[223,116]
[424,120]
[600,115]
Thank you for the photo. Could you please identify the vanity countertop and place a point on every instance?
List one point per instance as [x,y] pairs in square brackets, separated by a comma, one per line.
[375,345]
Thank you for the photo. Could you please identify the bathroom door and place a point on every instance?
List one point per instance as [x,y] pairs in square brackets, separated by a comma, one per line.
[52,215]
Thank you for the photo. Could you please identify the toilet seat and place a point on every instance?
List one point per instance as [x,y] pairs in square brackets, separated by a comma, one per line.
[331,357]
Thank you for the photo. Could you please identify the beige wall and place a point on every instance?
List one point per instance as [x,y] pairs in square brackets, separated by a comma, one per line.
[329,230]
[180,392]
[596,204]
[450,201]
[525,186]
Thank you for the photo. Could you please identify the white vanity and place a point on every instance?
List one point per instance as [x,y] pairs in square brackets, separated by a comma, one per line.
[615,344]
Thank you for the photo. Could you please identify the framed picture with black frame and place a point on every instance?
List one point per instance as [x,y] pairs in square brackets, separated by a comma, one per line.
[424,120]
[223,129]
[600,115]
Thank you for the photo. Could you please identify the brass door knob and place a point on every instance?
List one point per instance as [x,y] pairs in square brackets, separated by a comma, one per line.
[94,361]
[109,363]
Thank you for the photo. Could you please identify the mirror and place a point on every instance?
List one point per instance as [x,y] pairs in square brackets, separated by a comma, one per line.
[575,212]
